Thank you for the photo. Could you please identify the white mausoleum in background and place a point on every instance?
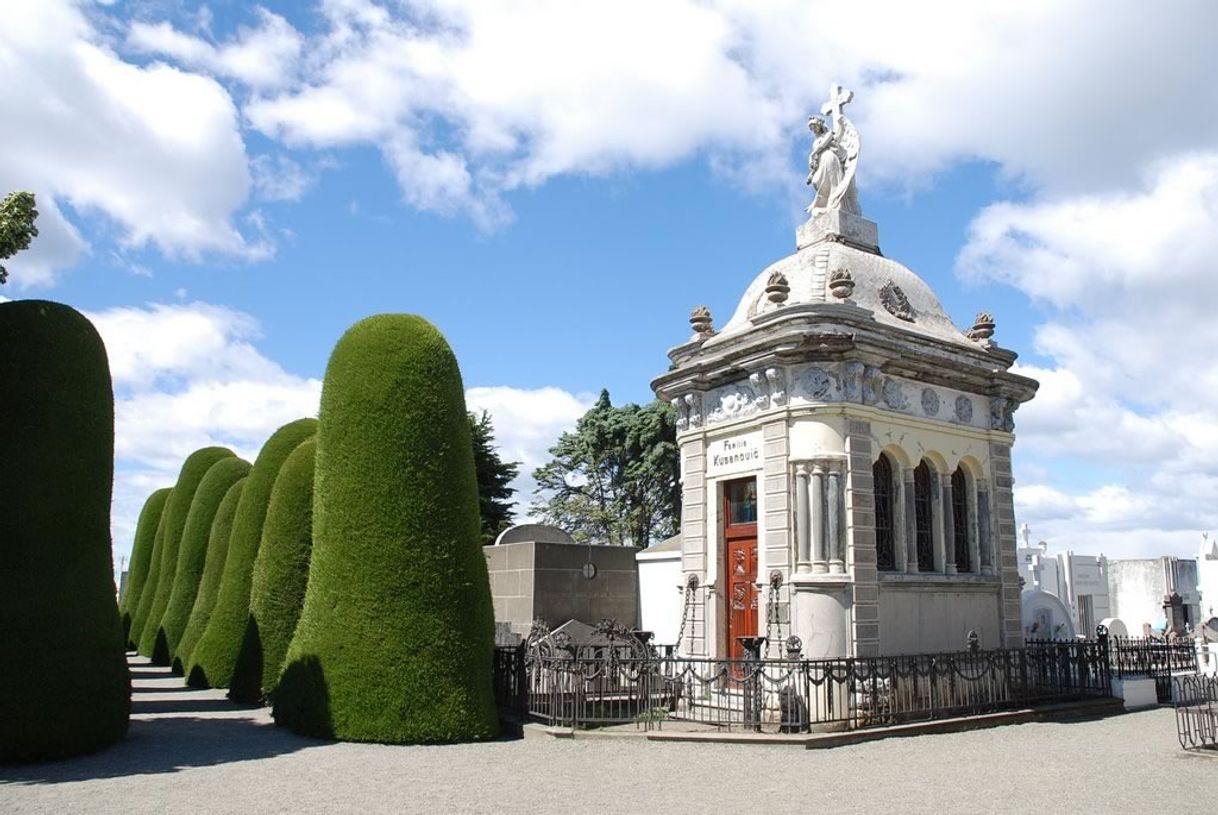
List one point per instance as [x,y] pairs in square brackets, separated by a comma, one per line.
[845,449]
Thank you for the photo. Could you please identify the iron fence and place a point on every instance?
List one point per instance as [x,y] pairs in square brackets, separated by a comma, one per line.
[1196,703]
[619,679]
[1158,659]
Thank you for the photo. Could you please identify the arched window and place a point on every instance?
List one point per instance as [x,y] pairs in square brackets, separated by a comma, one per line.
[885,550]
[960,524]
[924,537]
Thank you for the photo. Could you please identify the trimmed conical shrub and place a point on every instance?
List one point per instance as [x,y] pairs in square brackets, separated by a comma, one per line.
[213,659]
[139,616]
[281,572]
[141,556]
[152,640]
[192,553]
[396,639]
[209,585]
[64,684]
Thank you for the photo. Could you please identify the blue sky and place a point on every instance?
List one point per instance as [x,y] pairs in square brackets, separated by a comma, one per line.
[226,187]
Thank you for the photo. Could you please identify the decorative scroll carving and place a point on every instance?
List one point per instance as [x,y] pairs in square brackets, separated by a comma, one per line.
[964,409]
[895,302]
[693,405]
[852,381]
[761,397]
[678,404]
[873,385]
[894,395]
[777,379]
[930,402]
[1002,413]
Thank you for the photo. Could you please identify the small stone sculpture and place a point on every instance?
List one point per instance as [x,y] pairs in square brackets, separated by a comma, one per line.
[983,326]
[841,283]
[777,289]
[702,322]
[834,157]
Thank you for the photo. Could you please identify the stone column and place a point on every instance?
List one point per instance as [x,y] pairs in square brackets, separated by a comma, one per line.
[820,558]
[974,530]
[900,498]
[936,522]
[911,523]
[985,543]
[833,529]
[949,525]
[803,520]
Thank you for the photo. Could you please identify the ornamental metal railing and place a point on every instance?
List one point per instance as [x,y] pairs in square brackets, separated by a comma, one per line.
[1196,704]
[618,679]
[1158,659]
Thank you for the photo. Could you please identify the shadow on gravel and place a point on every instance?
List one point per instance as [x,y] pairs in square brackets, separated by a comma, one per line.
[167,745]
[139,706]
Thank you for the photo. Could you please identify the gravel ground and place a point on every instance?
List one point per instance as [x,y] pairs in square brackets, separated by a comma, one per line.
[193,751]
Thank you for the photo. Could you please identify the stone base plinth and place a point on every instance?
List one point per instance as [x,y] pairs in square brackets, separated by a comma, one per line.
[820,615]
[839,225]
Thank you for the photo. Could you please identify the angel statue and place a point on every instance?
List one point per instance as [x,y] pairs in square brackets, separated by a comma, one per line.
[834,156]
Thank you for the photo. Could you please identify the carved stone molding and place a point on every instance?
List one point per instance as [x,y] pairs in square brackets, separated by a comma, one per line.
[731,402]
[816,384]
[852,381]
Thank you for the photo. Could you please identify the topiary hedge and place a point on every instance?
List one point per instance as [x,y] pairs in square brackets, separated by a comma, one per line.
[211,664]
[139,617]
[152,641]
[141,557]
[396,639]
[64,684]
[209,584]
[281,572]
[192,553]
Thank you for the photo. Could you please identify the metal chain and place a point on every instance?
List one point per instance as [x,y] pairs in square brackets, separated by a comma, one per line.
[691,584]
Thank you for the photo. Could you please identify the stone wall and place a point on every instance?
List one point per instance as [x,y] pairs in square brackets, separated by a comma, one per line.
[919,617]
[534,580]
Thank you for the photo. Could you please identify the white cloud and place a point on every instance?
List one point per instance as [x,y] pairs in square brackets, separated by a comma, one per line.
[154,150]
[263,56]
[279,178]
[187,376]
[1132,387]
[527,424]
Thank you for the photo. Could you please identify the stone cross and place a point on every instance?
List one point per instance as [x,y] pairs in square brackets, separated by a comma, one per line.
[838,96]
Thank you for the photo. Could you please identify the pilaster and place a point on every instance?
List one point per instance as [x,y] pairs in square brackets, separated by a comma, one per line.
[860,531]
[1006,562]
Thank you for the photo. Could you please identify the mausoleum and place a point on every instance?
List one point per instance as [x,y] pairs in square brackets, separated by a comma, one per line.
[846,450]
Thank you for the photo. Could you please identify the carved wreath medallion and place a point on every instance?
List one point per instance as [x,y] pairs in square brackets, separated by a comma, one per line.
[895,301]
[964,409]
[894,395]
[816,383]
[930,402]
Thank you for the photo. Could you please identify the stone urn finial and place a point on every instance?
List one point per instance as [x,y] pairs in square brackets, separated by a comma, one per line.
[702,322]
[983,327]
[841,283]
[777,289]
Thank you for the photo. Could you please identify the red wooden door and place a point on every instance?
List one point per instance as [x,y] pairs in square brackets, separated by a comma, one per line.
[740,561]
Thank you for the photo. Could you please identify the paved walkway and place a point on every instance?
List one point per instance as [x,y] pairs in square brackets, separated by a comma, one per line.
[194,752]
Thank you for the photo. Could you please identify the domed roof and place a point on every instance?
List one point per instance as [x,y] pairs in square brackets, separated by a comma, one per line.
[895,295]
